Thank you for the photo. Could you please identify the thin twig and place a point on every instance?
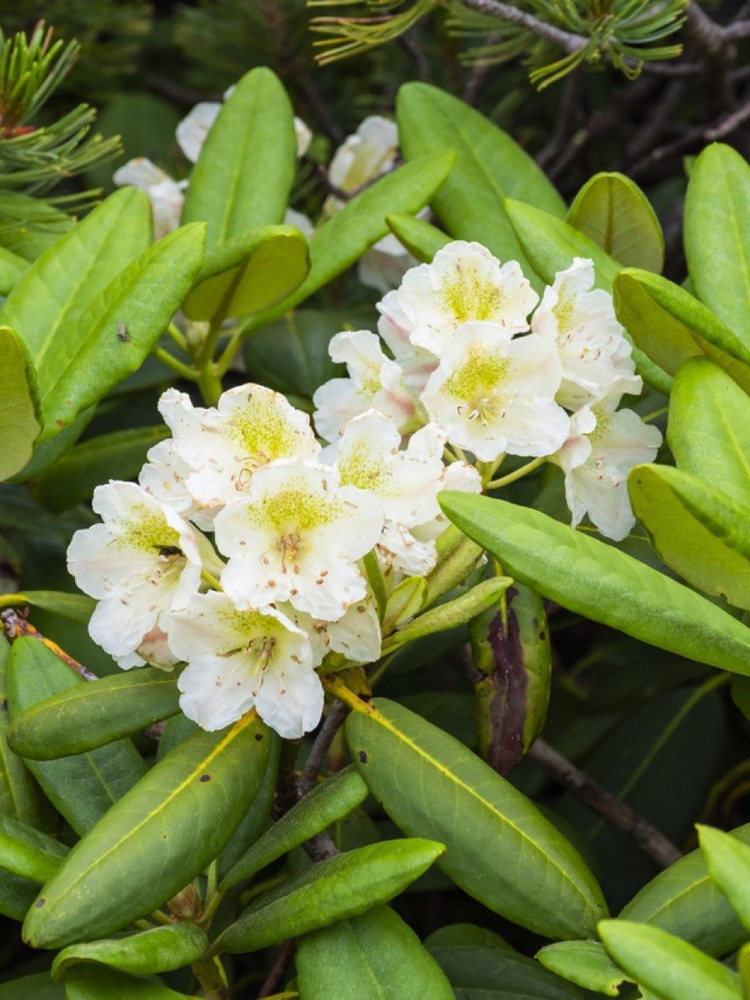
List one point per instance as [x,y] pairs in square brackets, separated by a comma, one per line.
[278,972]
[320,748]
[729,124]
[618,813]
[567,40]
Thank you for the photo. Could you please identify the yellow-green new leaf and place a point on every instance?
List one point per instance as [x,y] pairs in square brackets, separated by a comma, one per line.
[585,963]
[671,326]
[75,607]
[618,217]
[717,235]
[728,862]
[155,840]
[249,273]
[96,984]
[19,404]
[420,238]
[336,889]
[246,167]
[698,531]
[500,848]
[162,949]
[92,715]
[12,269]
[27,852]
[669,966]
[709,428]
[372,957]
[597,580]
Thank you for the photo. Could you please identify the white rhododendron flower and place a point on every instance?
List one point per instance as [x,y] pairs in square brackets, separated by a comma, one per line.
[296,537]
[141,563]
[604,445]
[495,394]
[375,381]
[581,321]
[243,659]
[356,635]
[165,194]
[406,482]
[223,446]
[192,131]
[464,282]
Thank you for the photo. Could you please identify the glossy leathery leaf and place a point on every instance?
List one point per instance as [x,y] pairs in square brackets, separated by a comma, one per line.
[82,788]
[94,714]
[50,451]
[95,984]
[585,963]
[28,853]
[594,579]
[74,476]
[420,238]
[19,404]
[40,986]
[375,956]
[617,216]
[16,895]
[20,796]
[328,802]
[75,607]
[167,829]
[249,273]
[343,238]
[47,305]
[258,816]
[728,863]
[717,235]
[490,168]
[245,171]
[159,950]
[709,428]
[698,531]
[119,328]
[685,901]
[669,966]
[450,614]
[671,326]
[335,889]
[432,786]
[12,269]
[481,967]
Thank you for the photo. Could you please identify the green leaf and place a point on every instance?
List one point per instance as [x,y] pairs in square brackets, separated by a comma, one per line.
[340,887]
[490,168]
[482,967]
[12,269]
[75,607]
[667,965]
[457,558]
[249,273]
[20,796]
[92,715]
[73,478]
[48,453]
[166,829]
[617,216]
[585,963]
[16,896]
[245,171]
[342,240]
[685,901]
[39,986]
[27,852]
[420,238]
[404,602]
[81,788]
[728,862]
[103,983]
[594,579]
[699,532]
[162,949]
[671,326]
[709,428]
[372,957]
[331,800]
[140,301]
[19,404]
[432,786]
[717,235]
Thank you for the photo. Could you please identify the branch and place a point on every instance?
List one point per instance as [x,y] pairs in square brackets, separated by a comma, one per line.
[618,813]
[278,972]
[566,40]
[320,747]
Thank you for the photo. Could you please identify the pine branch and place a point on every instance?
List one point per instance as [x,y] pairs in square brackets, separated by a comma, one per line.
[566,40]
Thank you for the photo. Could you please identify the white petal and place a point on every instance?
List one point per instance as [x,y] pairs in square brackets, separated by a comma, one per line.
[192,131]
[365,155]
[304,136]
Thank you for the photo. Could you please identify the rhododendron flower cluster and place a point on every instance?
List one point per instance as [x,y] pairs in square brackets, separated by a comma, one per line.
[248,550]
